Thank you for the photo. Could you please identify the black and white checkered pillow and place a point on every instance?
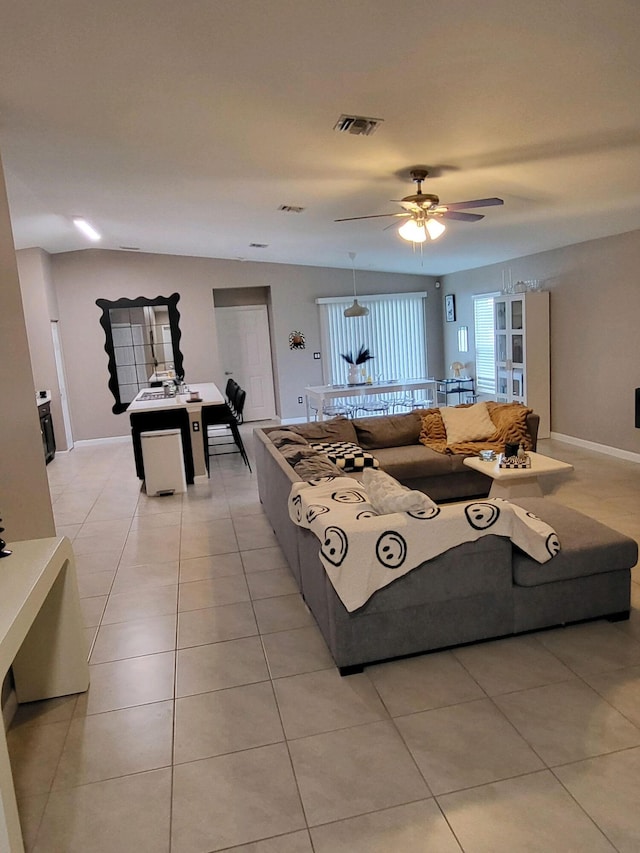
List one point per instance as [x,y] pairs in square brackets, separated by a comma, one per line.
[346,455]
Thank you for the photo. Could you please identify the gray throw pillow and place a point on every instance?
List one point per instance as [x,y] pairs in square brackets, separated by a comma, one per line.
[316,466]
[295,452]
[336,429]
[280,437]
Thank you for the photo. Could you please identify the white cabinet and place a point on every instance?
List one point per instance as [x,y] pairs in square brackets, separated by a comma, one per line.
[522,353]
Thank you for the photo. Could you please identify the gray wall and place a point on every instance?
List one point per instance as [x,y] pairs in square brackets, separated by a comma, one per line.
[595,332]
[25,505]
[82,277]
[40,309]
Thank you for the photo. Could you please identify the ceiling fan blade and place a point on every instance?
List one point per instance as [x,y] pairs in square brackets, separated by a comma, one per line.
[462,217]
[393,224]
[478,202]
[374,216]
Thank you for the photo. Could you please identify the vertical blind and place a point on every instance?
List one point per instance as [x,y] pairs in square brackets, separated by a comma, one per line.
[485,343]
[394,332]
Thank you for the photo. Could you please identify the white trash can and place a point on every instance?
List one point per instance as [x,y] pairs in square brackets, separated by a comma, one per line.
[163,462]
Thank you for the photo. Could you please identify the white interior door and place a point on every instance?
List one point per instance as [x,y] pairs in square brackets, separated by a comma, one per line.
[245,355]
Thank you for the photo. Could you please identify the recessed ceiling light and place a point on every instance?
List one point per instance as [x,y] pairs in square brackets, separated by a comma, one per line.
[88,230]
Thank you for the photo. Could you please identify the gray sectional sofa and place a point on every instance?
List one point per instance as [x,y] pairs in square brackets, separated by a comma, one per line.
[475,591]
[394,441]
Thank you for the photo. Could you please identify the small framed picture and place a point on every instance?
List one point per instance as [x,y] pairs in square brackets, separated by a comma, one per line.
[450,308]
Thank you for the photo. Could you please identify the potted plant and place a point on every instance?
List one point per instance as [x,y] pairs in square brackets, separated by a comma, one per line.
[361,357]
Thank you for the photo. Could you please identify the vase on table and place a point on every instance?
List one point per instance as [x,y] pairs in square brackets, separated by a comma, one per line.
[354,374]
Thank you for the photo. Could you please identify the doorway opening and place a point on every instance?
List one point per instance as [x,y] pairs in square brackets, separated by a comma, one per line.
[244,347]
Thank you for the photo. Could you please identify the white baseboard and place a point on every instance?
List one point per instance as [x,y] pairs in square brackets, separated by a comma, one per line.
[628,455]
[112,439]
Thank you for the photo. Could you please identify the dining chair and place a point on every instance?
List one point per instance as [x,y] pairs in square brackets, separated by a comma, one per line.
[374,405]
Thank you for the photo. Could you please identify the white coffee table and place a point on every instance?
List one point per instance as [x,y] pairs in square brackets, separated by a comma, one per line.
[517,482]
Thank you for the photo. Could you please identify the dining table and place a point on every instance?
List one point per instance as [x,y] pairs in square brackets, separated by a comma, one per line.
[151,409]
[324,394]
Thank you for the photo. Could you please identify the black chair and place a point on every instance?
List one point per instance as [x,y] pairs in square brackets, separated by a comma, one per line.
[221,416]
[238,405]
[231,390]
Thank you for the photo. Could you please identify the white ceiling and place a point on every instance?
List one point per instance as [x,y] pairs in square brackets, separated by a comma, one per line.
[180,126]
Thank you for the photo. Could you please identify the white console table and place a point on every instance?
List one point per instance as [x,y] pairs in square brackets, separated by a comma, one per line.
[42,637]
[322,393]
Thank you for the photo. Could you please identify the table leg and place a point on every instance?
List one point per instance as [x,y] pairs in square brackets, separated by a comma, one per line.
[10,830]
[523,487]
[52,660]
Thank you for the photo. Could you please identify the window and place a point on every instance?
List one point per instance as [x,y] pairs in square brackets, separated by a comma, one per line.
[485,343]
[394,331]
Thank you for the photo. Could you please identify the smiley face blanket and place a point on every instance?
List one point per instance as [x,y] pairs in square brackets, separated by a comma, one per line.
[362,551]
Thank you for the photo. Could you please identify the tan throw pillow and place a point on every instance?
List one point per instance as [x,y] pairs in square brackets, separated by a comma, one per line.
[468,423]
[387,495]
[432,426]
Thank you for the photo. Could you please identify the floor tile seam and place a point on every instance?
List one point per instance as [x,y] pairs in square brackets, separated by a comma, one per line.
[180,648]
[38,829]
[542,770]
[408,802]
[67,788]
[212,606]
[292,765]
[448,706]
[618,751]
[520,734]
[57,767]
[232,574]
[339,820]
[517,690]
[84,714]
[454,653]
[583,809]
[173,722]
[132,656]
[537,635]
[546,763]
[227,752]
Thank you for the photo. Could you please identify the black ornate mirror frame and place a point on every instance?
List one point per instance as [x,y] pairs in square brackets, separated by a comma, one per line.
[171,302]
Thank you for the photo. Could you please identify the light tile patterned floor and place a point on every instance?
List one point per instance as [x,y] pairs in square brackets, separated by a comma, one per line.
[215,719]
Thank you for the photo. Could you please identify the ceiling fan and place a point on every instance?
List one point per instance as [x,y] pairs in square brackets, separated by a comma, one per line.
[424,212]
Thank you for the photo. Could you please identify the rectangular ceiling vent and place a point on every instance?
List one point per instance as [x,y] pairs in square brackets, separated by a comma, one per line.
[258,245]
[358,125]
[290,208]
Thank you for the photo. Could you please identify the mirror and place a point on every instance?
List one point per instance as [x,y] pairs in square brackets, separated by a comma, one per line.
[142,338]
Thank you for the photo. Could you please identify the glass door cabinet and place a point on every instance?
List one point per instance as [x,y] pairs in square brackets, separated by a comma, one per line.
[522,352]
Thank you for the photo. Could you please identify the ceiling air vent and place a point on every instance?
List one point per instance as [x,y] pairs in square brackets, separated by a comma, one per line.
[358,125]
[258,245]
[290,208]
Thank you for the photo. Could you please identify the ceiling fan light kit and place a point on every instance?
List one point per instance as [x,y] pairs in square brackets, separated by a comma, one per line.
[424,213]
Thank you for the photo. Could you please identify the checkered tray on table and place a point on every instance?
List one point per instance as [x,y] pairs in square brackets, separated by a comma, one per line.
[514,462]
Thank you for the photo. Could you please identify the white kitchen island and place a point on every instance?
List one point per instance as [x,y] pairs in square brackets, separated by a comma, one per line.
[151,410]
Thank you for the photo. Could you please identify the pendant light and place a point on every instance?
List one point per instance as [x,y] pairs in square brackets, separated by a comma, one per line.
[355,310]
